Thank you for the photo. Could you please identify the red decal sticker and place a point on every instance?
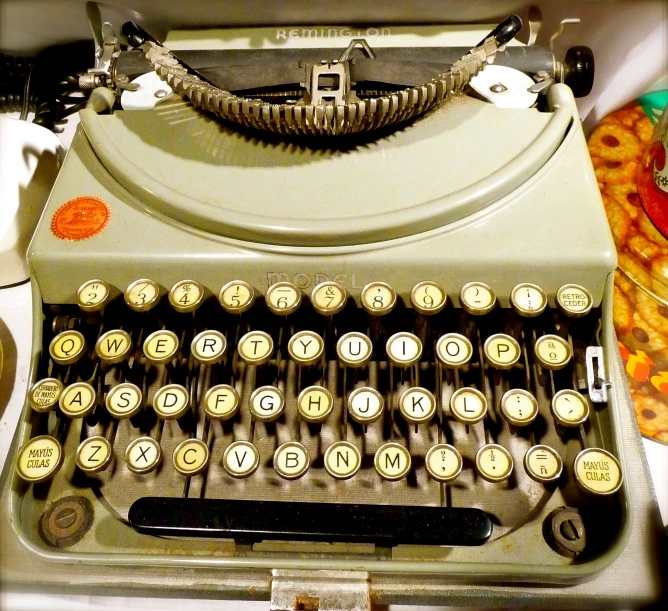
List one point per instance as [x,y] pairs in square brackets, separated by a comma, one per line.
[80,218]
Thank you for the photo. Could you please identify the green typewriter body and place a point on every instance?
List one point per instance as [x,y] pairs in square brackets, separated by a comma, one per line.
[376,369]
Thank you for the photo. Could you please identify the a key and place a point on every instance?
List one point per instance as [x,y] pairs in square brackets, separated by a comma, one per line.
[502,351]
[328,298]
[186,295]
[528,300]
[44,394]
[124,401]
[67,347]
[404,349]
[241,459]
[468,405]
[392,461]
[552,352]
[221,402]
[39,459]
[453,350]
[569,408]
[113,346]
[191,457]
[428,297]
[378,298]
[354,349]
[342,460]
[142,295]
[255,347]
[266,403]
[94,454]
[543,464]
[208,347]
[283,298]
[77,400]
[315,404]
[143,455]
[417,405]
[237,297]
[574,300]
[443,462]
[306,348]
[291,460]
[171,402]
[365,405]
[597,471]
[494,463]
[519,407]
[160,347]
[93,295]
[477,298]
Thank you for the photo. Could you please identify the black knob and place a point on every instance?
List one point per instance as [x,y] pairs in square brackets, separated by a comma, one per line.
[135,35]
[505,31]
[579,65]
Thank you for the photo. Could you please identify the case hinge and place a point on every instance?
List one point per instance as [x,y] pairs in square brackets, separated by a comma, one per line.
[320,590]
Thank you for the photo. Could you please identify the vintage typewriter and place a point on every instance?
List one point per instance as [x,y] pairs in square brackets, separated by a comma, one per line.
[316,332]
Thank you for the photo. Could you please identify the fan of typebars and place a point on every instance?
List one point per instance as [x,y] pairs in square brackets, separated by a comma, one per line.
[331,113]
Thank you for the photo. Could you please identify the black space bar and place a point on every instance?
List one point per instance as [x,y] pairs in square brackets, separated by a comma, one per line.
[384,525]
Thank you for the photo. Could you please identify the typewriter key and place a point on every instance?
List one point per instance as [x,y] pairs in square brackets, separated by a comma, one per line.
[494,463]
[552,352]
[291,460]
[528,300]
[266,403]
[92,295]
[597,471]
[428,297]
[236,297]
[186,295]
[519,407]
[477,298]
[77,400]
[208,347]
[570,408]
[255,347]
[161,347]
[143,455]
[454,350]
[315,404]
[67,347]
[378,298]
[417,405]
[342,460]
[94,454]
[171,402]
[306,347]
[191,457]
[404,349]
[142,295]
[113,346]
[543,464]
[502,351]
[365,405]
[392,461]
[574,300]
[468,405]
[39,459]
[354,349]
[328,298]
[124,401]
[443,462]
[44,394]
[283,298]
[241,459]
[221,402]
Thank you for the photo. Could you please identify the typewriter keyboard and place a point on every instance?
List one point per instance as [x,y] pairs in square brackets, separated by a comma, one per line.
[313,417]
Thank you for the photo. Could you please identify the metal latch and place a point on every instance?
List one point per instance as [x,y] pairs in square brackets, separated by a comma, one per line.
[596,381]
[320,591]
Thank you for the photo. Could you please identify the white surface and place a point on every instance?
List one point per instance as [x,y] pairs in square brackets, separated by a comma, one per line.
[152,90]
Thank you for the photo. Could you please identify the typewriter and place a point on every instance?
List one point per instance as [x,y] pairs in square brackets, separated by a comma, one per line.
[307,330]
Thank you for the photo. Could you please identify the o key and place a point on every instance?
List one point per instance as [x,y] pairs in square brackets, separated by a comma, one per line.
[354,349]
[142,295]
[161,347]
[241,459]
[342,460]
[494,462]
[221,402]
[392,461]
[208,347]
[468,405]
[266,403]
[328,298]
[443,462]
[92,295]
[94,454]
[186,295]
[77,400]
[143,455]
[404,349]
[315,404]
[528,300]
[67,347]
[454,350]
[306,347]
[255,347]
[113,346]
[236,297]
[428,297]
[39,459]
[283,298]
[171,402]
[552,352]
[124,401]
[365,405]
[291,460]
[378,298]
[417,405]
[191,457]
[502,351]
[44,394]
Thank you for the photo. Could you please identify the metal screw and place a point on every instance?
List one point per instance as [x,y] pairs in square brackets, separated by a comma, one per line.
[66,517]
[498,88]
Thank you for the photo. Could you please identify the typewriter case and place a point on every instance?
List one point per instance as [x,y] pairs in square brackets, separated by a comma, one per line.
[469,192]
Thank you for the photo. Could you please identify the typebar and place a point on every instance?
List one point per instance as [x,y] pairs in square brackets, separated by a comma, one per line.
[384,525]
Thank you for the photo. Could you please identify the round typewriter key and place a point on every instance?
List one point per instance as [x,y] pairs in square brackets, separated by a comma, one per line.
[354,349]
[191,457]
[67,347]
[44,394]
[306,347]
[221,402]
[417,405]
[378,298]
[543,464]
[552,352]
[597,471]
[142,295]
[453,350]
[77,400]
[113,346]
[428,297]
[502,351]
[570,408]
[443,462]
[171,402]
[92,295]
[283,298]
[236,296]
[574,300]
[519,407]
[494,463]
[528,300]
[315,403]
[186,295]
[404,349]
[328,298]
[208,347]
[365,405]
[161,347]
[468,405]
[39,459]
[241,459]
[392,461]
[124,401]
[477,298]
[143,455]
[94,454]
[255,347]
[266,403]
[291,460]
[342,460]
